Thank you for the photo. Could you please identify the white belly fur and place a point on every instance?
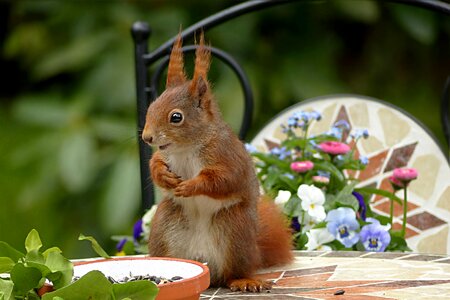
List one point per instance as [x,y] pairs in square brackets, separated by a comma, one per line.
[199,240]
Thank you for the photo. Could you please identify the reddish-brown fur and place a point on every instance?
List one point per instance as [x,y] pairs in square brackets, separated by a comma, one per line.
[211,209]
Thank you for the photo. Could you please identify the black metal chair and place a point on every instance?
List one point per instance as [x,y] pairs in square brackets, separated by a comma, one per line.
[146,83]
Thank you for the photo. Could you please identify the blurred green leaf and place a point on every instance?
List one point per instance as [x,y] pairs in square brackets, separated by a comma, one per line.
[43,110]
[121,198]
[73,56]
[77,160]
[418,23]
[366,11]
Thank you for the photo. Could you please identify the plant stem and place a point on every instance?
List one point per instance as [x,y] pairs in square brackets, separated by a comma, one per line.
[391,212]
[405,211]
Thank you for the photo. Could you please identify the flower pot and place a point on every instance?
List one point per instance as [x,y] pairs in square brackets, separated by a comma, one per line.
[195,275]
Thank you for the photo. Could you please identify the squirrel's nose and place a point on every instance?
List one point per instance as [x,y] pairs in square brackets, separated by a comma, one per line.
[147,137]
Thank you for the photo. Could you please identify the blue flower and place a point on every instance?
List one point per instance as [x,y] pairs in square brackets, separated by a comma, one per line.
[335,132]
[359,133]
[374,236]
[323,173]
[342,124]
[316,115]
[342,224]
[364,160]
[250,148]
[137,230]
[282,153]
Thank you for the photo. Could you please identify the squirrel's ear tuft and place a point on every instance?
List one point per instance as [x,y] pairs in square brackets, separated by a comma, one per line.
[199,84]
[175,72]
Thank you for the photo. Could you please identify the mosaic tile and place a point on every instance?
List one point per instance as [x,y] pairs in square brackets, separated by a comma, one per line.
[409,231]
[308,271]
[371,145]
[326,121]
[374,167]
[424,221]
[386,255]
[308,253]
[422,257]
[395,129]
[386,186]
[342,254]
[444,199]
[359,114]
[428,167]
[342,115]
[400,157]
[384,206]
[270,145]
[435,243]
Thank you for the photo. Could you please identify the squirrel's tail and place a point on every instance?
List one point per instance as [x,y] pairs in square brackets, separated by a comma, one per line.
[274,235]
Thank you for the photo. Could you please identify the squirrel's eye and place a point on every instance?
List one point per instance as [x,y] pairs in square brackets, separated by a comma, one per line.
[176,117]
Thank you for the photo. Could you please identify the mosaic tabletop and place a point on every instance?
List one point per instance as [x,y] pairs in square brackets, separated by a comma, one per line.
[396,140]
[351,276]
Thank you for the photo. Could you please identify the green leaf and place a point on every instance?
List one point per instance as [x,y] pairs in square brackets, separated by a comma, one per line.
[349,201]
[120,201]
[419,23]
[293,206]
[95,245]
[6,289]
[381,193]
[33,241]
[77,160]
[6,264]
[329,167]
[7,251]
[52,249]
[61,267]
[93,285]
[35,256]
[25,278]
[136,290]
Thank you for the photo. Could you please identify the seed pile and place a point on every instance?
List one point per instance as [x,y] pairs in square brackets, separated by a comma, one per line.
[155,279]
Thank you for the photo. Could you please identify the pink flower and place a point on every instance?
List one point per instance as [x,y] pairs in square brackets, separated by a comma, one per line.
[405,174]
[302,166]
[321,179]
[334,148]
[396,184]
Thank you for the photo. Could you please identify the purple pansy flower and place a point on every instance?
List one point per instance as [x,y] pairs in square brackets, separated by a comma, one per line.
[137,230]
[295,224]
[374,236]
[362,205]
[120,244]
[342,224]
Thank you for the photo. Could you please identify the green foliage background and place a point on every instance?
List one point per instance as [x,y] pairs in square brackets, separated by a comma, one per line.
[68,152]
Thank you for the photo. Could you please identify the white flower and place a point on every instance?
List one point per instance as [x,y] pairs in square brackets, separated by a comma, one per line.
[307,222]
[282,197]
[318,237]
[147,220]
[312,201]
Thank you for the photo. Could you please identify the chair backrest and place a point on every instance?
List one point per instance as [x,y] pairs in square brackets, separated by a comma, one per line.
[396,139]
[146,84]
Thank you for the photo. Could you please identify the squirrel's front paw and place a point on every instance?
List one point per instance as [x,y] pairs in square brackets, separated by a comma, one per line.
[184,189]
[167,179]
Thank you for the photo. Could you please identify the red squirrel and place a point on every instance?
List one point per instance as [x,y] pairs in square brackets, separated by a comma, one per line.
[212,210]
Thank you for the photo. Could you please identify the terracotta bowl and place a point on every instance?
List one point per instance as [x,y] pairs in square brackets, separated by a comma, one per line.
[195,275]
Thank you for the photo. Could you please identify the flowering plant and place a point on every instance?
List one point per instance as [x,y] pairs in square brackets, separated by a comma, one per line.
[310,177]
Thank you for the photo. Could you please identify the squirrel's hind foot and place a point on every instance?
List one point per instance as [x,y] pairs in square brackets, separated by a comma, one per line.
[249,285]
